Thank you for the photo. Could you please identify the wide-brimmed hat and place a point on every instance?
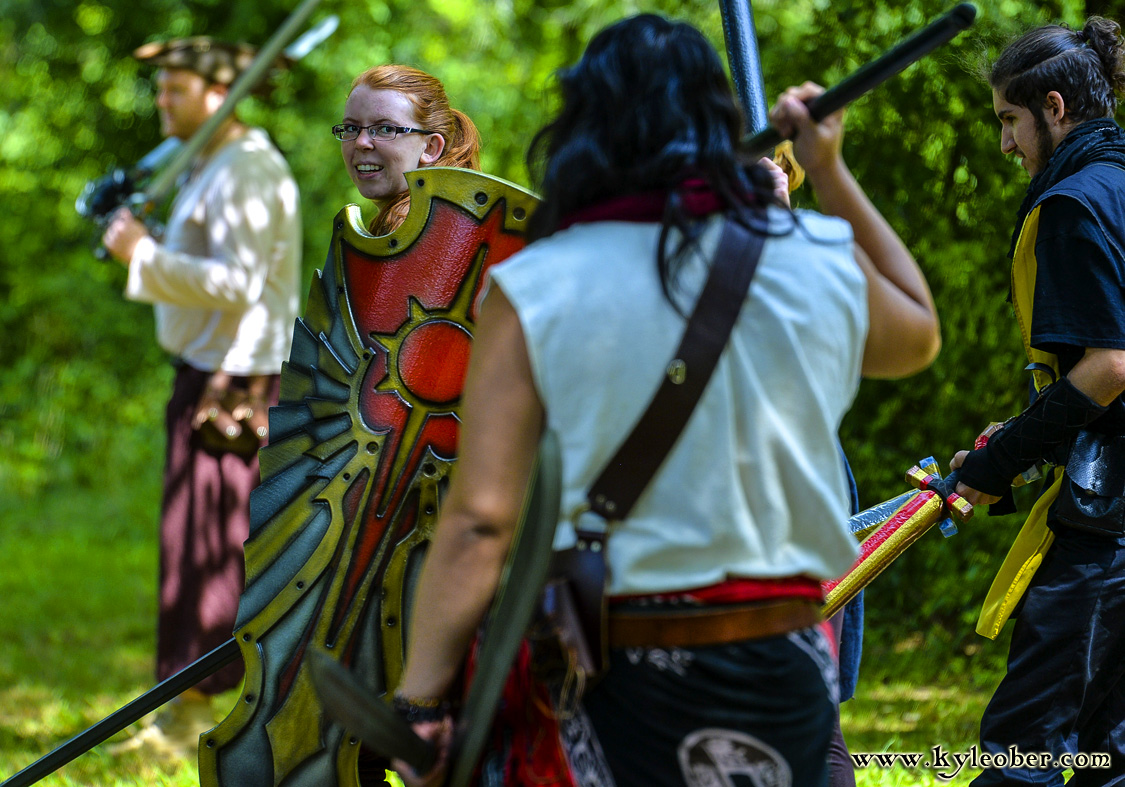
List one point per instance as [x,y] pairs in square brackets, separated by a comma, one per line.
[216,61]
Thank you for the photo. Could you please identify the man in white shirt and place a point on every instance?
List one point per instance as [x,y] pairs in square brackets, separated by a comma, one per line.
[224,282]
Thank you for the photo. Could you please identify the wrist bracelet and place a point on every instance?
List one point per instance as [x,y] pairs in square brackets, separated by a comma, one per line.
[419,709]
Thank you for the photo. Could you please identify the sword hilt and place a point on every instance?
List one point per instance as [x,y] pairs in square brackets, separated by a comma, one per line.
[925,476]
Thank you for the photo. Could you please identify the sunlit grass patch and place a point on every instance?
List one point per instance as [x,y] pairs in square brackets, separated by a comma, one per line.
[77,632]
[899,719]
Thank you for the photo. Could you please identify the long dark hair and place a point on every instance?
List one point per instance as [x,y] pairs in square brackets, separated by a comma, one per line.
[646,106]
[1083,66]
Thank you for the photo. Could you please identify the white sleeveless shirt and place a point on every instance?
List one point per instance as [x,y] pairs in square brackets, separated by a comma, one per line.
[755,486]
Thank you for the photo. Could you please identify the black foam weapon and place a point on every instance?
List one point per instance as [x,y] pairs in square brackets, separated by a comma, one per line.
[745,63]
[870,76]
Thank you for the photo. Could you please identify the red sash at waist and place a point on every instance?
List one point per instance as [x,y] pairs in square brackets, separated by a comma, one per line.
[736,590]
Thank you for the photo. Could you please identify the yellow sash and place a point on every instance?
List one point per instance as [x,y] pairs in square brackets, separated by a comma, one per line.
[1035,537]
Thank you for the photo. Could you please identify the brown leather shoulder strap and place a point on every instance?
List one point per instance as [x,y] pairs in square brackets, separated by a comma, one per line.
[627,474]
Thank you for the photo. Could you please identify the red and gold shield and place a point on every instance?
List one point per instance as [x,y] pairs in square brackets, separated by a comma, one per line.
[360,450]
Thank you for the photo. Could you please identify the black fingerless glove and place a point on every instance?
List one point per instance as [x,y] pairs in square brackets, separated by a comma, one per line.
[1052,420]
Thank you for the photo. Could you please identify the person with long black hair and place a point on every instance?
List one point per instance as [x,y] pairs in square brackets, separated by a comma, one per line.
[747,513]
[1054,91]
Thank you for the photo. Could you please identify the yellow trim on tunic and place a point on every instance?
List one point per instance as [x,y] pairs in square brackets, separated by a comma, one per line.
[1034,538]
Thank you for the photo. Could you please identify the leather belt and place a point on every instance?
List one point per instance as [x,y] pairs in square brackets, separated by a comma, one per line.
[702,626]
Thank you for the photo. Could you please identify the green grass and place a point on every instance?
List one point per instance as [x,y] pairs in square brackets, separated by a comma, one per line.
[917,692]
[77,630]
[902,718]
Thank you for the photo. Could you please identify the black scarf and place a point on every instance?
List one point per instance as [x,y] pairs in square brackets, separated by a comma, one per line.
[1093,142]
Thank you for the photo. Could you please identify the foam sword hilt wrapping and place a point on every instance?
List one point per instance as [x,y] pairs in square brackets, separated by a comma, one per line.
[946,488]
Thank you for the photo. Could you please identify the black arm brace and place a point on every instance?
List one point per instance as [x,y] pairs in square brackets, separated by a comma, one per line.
[1060,413]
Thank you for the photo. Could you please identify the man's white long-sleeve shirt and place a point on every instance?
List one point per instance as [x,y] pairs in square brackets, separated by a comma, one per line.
[225,280]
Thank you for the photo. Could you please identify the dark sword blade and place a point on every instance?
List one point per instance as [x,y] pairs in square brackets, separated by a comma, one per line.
[745,63]
[123,717]
[875,73]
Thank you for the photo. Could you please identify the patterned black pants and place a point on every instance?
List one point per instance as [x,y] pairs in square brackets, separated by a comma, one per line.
[751,714]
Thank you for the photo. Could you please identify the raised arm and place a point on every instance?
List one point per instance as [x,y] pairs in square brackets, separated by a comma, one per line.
[904,335]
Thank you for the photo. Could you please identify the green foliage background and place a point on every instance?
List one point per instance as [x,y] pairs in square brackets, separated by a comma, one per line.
[82,383]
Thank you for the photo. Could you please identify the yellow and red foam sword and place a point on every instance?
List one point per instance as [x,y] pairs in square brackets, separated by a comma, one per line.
[894,525]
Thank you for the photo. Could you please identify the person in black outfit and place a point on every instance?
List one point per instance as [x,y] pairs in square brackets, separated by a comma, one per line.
[1054,92]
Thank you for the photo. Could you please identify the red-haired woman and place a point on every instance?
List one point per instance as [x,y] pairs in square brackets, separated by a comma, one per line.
[398,119]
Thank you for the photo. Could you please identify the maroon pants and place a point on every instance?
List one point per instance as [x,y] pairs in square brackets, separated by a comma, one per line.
[205,518]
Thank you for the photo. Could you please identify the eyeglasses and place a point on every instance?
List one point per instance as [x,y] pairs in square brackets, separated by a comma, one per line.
[381,131]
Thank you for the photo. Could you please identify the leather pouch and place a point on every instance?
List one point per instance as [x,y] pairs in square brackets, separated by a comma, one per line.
[245,444]
[569,635]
